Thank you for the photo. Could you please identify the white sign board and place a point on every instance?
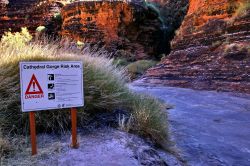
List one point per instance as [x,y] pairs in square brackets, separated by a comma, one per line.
[51,85]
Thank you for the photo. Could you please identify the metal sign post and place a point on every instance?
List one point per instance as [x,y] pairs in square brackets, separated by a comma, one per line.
[51,85]
[33,132]
[74,127]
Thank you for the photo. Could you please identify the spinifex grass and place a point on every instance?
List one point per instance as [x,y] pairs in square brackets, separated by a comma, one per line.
[104,90]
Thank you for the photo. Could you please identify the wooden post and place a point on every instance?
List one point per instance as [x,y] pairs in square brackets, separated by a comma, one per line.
[33,132]
[74,127]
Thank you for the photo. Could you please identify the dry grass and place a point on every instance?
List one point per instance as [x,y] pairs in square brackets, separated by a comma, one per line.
[104,87]
[241,11]
[148,117]
[235,47]
[5,147]
[138,68]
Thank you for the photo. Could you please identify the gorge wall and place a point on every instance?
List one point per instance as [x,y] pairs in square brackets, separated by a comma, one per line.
[211,49]
[15,14]
[130,30]
[126,29]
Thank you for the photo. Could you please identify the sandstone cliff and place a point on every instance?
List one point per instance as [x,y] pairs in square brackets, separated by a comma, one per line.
[211,49]
[130,28]
[15,14]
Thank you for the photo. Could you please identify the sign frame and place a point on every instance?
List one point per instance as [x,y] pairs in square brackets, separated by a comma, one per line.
[23,90]
[34,82]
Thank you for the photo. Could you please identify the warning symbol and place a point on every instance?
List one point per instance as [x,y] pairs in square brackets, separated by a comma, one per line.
[34,89]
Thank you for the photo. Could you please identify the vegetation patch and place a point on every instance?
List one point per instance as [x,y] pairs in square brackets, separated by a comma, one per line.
[58,16]
[104,87]
[148,116]
[236,47]
[241,10]
[124,55]
[236,51]
[41,29]
[121,62]
[137,68]
[5,147]
[17,38]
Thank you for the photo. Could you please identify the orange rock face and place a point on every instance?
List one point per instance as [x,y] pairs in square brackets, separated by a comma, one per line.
[116,25]
[211,49]
[93,21]
[15,14]
[202,14]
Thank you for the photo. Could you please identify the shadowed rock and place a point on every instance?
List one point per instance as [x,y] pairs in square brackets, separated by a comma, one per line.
[210,50]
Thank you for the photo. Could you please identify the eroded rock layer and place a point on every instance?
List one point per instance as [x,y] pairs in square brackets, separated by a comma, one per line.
[117,25]
[211,49]
[15,14]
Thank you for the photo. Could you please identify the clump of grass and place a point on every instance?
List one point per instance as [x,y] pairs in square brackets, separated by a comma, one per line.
[241,11]
[58,16]
[40,29]
[137,68]
[125,122]
[5,147]
[120,62]
[104,87]
[148,117]
[80,44]
[235,47]
[17,38]
[217,44]
[125,55]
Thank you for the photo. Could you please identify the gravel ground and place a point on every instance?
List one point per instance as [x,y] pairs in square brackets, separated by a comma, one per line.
[102,147]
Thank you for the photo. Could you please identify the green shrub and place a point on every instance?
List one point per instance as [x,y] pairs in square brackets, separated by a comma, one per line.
[58,16]
[41,29]
[243,9]
[125,55]
[104,90]
[120,62]
[153,8]
[137,68]
[80,44]
[156,10]
[17,38]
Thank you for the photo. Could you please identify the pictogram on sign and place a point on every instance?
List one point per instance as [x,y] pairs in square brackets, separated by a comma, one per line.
[34,89]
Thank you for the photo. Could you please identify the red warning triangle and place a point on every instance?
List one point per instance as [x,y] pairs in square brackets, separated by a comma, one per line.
[34,87]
